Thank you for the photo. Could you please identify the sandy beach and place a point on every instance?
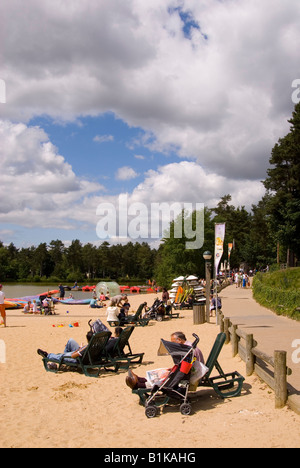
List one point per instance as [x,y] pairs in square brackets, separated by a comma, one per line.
[40,409]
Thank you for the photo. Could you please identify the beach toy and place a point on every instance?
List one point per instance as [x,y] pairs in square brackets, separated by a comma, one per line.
[70,325]
[75,324]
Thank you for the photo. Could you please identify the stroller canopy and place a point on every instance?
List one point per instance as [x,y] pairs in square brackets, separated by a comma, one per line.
[176,350]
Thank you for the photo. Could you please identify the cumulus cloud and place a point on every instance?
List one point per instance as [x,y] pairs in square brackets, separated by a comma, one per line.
[187,182]
[38,187]
[126,173]
[185,185]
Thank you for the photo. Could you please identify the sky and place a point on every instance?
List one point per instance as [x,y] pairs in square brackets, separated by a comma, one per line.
[163,101]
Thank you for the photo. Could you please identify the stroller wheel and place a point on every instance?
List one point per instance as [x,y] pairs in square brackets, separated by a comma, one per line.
[186,409]
[151,411]
[159,318]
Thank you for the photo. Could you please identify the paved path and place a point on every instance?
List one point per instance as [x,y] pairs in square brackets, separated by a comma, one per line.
[272,332]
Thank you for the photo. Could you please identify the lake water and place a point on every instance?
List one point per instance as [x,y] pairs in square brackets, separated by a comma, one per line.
[15,291]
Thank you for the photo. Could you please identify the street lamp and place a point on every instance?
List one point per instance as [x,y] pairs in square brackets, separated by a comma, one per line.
[207,257]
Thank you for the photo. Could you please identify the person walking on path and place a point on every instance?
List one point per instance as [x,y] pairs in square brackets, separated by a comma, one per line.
[2,305]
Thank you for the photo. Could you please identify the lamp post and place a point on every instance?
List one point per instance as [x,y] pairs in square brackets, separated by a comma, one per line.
[207,257]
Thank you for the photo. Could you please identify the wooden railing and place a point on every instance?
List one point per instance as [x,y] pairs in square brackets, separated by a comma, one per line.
[271,369]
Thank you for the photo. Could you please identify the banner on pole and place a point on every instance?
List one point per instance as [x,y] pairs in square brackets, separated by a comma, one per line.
[219,244]
[229,250]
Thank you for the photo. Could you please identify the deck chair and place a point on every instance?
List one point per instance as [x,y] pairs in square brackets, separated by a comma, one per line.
[225,385]
[170,313]
[136,319]
[119,356]
[92,361]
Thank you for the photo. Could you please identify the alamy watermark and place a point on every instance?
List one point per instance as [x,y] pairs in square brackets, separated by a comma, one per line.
[2,91]
[140,221]
[296,93]
[296,353]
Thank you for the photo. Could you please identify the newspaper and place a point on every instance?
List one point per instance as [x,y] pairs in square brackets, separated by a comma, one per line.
[157,376]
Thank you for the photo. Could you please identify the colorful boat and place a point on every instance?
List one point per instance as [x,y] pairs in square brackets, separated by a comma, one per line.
[88,288]
[13,305]
[74,301]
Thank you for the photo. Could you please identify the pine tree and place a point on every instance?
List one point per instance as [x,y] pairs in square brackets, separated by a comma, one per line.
[283,183]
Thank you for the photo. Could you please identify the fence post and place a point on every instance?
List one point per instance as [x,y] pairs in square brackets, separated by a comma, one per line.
[226,330]
[280,378]
[234,341]
[221,323]
[249,355]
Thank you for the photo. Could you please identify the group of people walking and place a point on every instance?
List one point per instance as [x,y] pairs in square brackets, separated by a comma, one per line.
[241,280]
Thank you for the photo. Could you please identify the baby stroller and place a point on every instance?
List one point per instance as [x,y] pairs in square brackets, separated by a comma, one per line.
[158,310]
[97,326]
[176,385]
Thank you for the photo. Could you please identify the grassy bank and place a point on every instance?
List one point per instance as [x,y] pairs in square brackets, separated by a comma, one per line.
[279,291]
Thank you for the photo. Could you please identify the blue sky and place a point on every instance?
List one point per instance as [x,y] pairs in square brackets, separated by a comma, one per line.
[97,147]
[165,101]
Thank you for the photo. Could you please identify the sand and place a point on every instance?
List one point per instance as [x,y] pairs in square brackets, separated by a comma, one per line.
[40,409]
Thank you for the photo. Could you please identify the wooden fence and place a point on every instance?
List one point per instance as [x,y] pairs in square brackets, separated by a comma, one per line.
[271,369]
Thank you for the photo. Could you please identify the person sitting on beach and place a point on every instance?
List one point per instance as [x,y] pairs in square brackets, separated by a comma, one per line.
[112,314]
[94,304]
[72,350]
[123,315]
[134,382]
[112,341]
[27,308]
[46,306]
[35,307]
[188,303]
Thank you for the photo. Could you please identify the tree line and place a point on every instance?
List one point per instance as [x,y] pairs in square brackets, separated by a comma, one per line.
[56,262]
[268,234]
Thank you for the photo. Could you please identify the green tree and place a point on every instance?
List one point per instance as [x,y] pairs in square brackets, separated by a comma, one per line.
[283,185]
[238,222]
[75,261]
[259,249]
[89,260]
[174,259]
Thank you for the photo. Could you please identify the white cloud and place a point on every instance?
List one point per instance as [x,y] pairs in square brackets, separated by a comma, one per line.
[103,138]
[38,187]
[187,182]
[126,173]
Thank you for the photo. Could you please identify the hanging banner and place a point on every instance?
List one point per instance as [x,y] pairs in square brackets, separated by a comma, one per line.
[219,244]
[229,250]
